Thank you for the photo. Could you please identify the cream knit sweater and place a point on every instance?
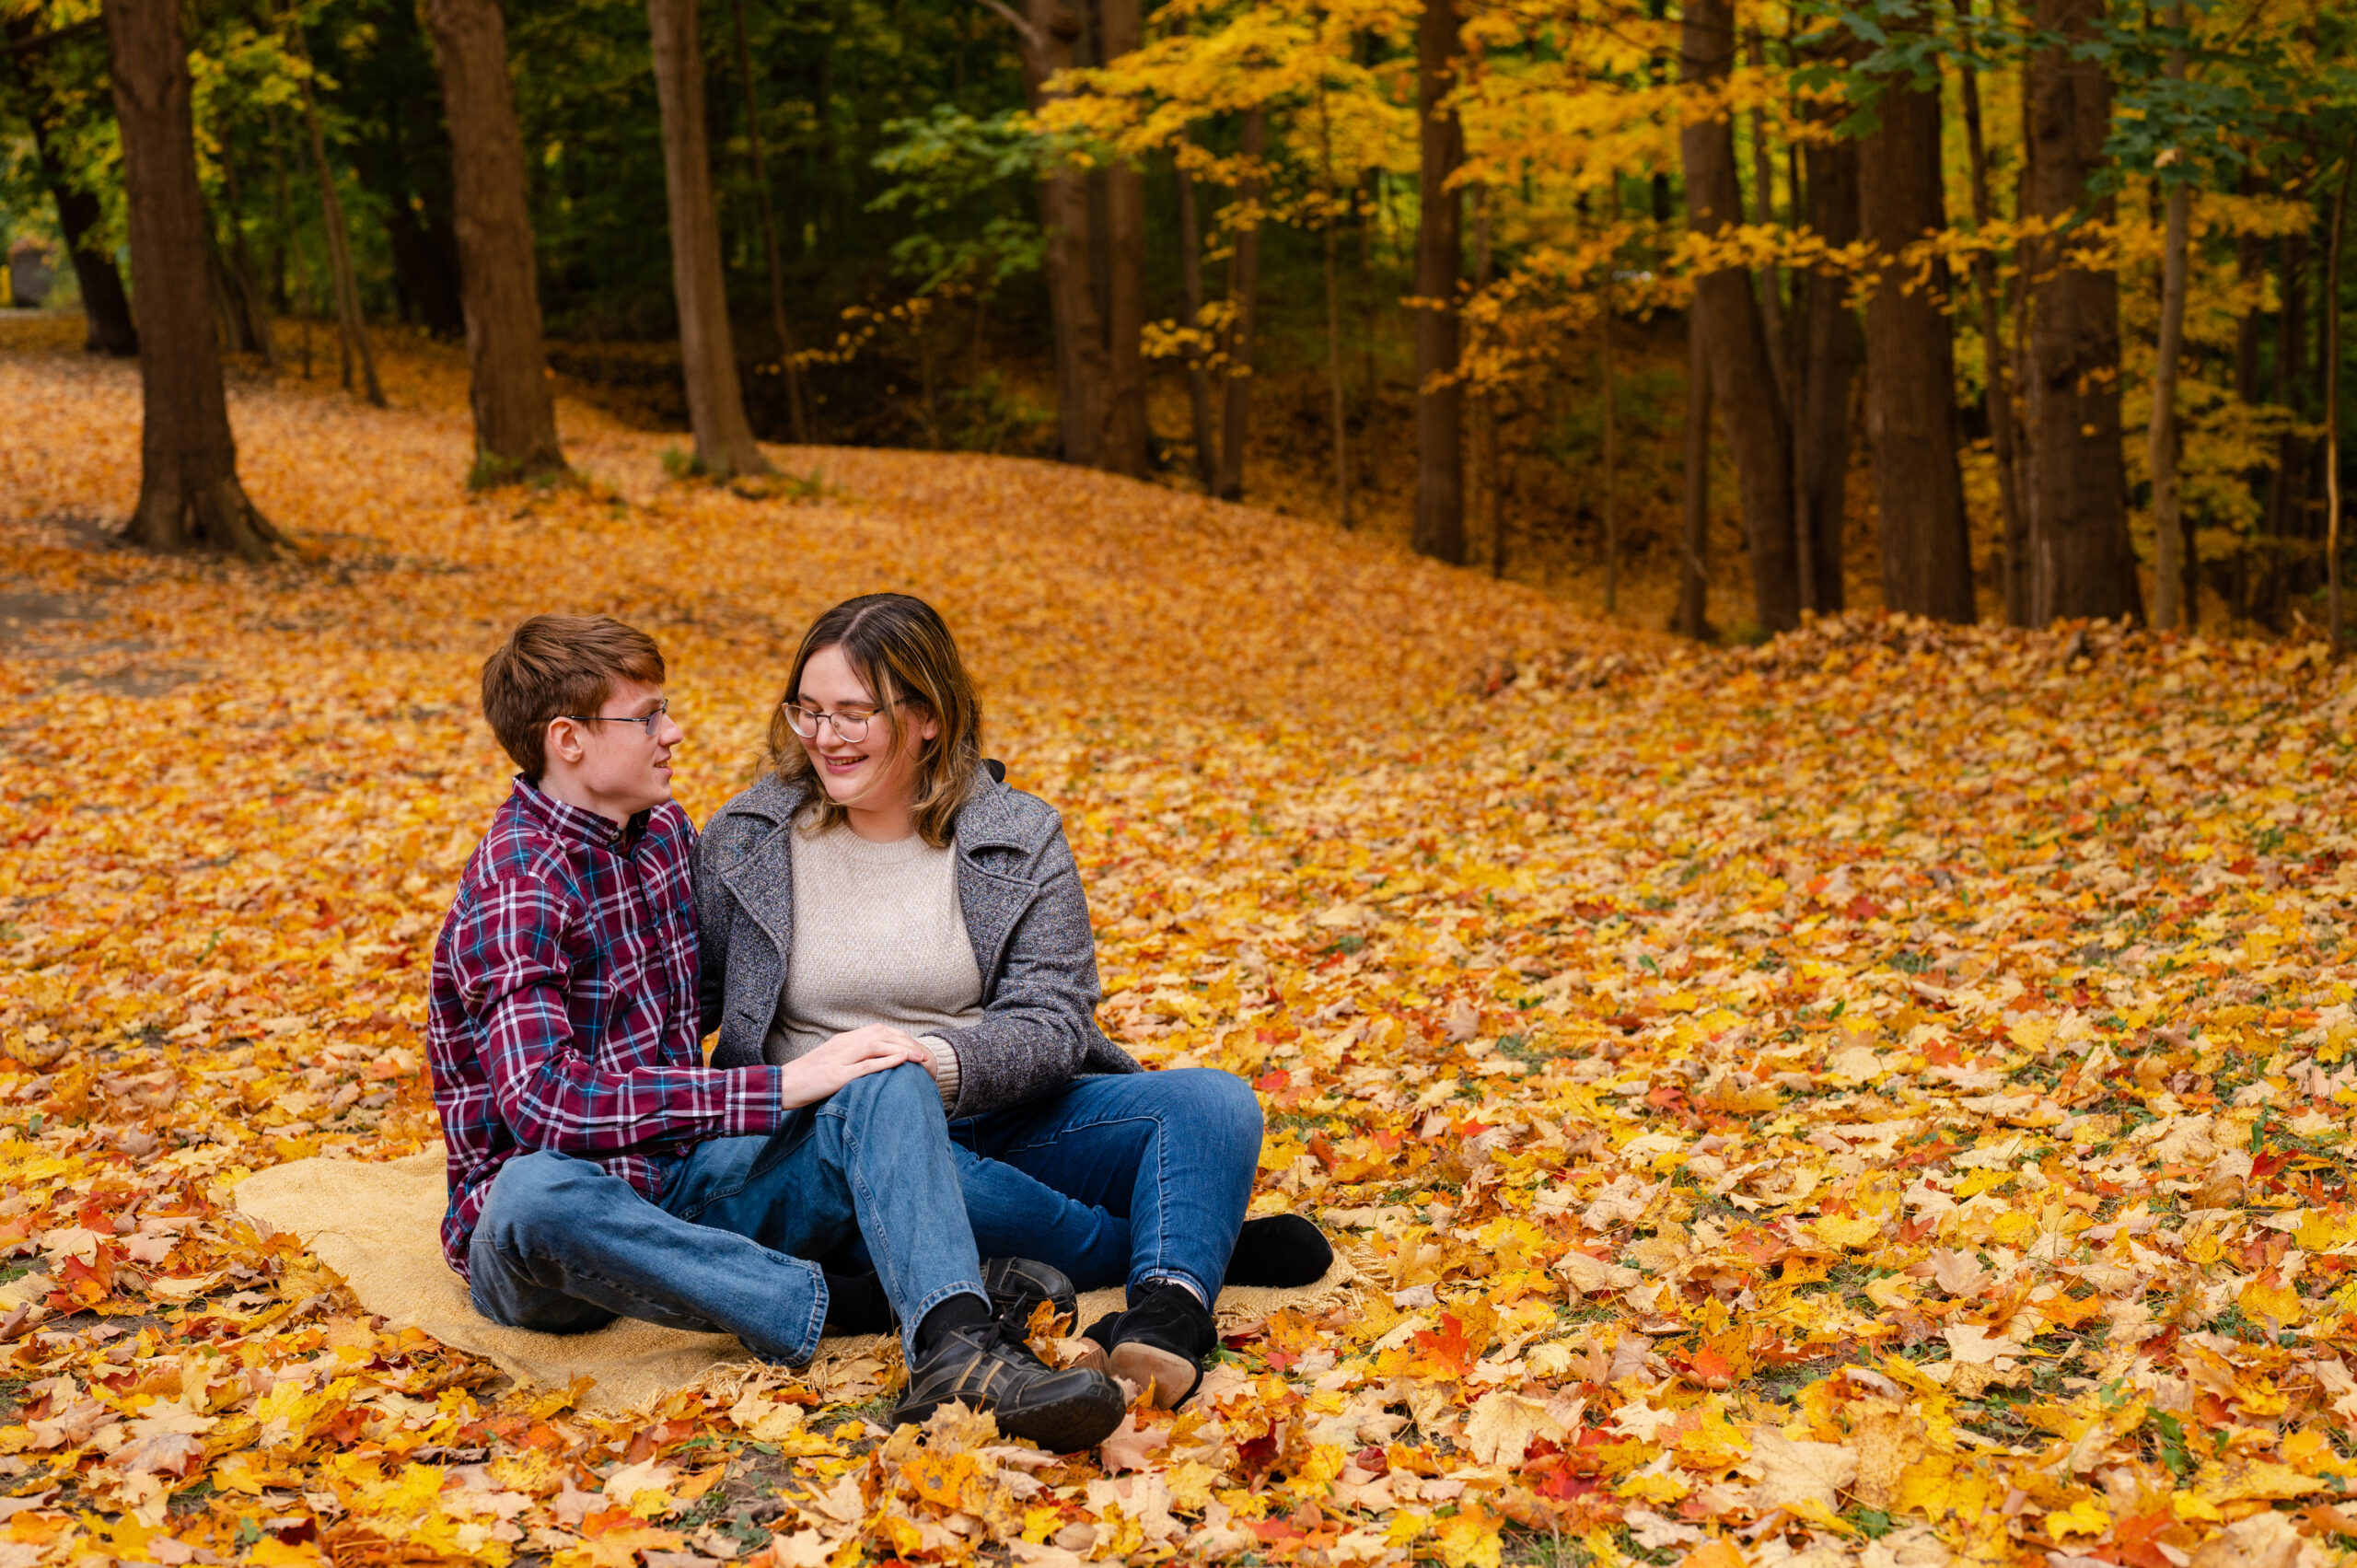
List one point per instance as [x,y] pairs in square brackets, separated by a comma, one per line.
[879,938]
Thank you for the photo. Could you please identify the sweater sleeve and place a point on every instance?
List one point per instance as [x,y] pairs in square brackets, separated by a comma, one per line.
[945,1068]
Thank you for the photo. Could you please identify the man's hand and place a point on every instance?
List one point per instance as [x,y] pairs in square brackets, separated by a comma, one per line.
[874,1048]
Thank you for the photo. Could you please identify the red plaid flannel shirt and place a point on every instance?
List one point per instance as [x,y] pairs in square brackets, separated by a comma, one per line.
[563,1006]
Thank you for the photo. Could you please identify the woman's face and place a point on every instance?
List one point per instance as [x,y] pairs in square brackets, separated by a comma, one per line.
[878,772]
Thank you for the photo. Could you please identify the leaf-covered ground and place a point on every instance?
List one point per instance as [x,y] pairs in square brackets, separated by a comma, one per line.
[1879,1095]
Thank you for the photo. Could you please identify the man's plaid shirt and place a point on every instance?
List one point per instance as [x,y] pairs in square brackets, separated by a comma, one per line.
[564,1009]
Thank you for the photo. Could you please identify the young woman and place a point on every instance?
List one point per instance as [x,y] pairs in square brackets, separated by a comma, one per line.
[883,874]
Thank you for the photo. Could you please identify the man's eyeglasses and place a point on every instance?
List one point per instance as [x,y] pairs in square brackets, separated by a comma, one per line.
[850,725]
[644,721]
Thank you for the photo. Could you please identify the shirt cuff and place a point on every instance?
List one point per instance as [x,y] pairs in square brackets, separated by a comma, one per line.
[945,1068]
[752,1104]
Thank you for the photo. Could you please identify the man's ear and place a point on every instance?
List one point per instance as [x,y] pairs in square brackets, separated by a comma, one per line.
[562,742]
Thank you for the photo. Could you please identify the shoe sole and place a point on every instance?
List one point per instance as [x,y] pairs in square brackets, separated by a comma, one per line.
[1060,1426]
[1167,1376]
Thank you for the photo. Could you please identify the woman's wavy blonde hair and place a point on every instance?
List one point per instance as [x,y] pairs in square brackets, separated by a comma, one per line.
[901,650]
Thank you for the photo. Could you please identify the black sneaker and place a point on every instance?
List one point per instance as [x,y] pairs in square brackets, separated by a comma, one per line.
[1282,1249]
[987,1366]
[1017,1285]
[1159,1344]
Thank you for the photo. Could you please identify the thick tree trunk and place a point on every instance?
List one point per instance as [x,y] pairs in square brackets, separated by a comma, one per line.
[1743,375]
[707,349]
[1334,336]
[1911,368]
[1827,367]
[2169,585]
[2081,560]
[189,493]
[498,279]
[347,286]
[106,309]
[1047,30]
[2332,393]
[1243,302]
[798,424]
[1694,566]
[2004,419]
[1199,375]
[1440,436]
[1127,434]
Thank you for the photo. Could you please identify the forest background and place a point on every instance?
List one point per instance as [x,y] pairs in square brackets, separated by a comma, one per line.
[2017,313]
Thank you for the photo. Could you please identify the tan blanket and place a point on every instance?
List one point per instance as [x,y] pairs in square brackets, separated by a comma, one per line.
[378,1226]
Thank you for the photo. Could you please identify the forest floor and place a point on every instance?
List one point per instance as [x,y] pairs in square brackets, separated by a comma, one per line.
[1882,1095]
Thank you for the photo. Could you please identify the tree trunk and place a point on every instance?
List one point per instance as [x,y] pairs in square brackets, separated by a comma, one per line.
[1694,571]
[707,350]
[2081,560]
[1827,368]
[1190,279]
[106,309]
[347,286]
[241,268]
[1084,372]
[189,493]
[1911,366]
[1743,375]
[1334,329]
[1127,434]
[2168,521]
[796,423]
[2331,303]
[2004,418]
[1611,453]
[498,277]
[2251,272]
[1440,436]
[1244,300]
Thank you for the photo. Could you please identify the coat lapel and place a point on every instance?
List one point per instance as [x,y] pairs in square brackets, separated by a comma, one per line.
[762,882]
[992,902]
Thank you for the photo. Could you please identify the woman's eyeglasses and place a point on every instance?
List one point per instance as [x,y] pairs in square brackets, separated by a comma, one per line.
[850,724]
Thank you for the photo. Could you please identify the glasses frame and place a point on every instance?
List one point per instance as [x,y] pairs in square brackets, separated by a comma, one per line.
[646,722]
[819,718]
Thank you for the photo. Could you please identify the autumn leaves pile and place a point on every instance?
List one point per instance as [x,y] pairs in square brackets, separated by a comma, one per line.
[1881,1095]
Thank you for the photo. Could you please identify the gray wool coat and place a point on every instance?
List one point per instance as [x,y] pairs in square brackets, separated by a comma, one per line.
[1019,890]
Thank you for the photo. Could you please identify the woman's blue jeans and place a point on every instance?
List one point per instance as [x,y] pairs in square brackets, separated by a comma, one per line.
[562,1246]
[1117,1178]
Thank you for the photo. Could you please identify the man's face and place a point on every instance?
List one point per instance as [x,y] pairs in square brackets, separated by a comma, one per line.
[615,768]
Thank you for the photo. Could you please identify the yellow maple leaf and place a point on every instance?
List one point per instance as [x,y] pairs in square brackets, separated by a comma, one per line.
[2268,1299]
[2087,1517]
[618,1548]
[1469,1538]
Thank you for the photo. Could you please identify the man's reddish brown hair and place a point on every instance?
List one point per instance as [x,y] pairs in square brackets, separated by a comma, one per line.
[555,665]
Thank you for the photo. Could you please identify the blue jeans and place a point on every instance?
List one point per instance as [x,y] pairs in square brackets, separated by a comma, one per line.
[562,1246]
[1117,1178]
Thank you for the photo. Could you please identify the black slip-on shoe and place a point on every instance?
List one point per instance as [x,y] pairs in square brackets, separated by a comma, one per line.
[1158,1344]
[987,1366]
[1281,1250]
[1015,1285]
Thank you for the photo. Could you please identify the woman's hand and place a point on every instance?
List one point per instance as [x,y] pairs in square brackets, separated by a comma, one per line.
[874,1048]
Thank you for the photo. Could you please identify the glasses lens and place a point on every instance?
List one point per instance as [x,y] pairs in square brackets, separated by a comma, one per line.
[853,728]
[803,724]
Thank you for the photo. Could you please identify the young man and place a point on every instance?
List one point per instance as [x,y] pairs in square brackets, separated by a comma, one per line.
[598,1168]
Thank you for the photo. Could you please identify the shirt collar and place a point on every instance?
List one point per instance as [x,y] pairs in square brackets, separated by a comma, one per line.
[569,821]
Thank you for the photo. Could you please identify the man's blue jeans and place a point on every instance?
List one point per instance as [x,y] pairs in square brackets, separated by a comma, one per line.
[1117,1178]
[563,1247]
